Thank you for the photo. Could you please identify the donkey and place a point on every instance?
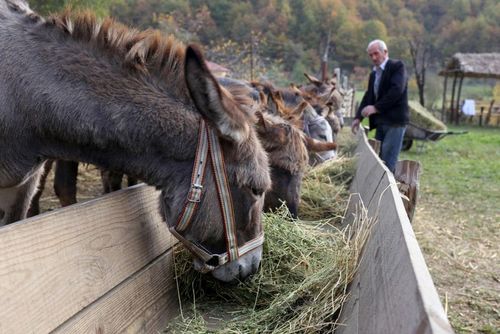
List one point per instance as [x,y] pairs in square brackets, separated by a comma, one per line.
[314,124]
[288,158]
[73,88]
[328,93]
[286,144]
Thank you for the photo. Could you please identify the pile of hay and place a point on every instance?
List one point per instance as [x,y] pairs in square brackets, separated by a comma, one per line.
[423,118]
[300,286]
[325,193]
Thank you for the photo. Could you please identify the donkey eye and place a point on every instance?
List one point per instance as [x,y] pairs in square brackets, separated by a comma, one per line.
[257,192]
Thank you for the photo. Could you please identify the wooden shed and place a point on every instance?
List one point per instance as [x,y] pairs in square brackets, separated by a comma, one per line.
[466,65]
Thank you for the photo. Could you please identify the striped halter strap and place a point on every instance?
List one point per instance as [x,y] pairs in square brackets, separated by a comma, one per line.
[208,143]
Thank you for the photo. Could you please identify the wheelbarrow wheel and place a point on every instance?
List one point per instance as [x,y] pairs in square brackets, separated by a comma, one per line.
[407,144]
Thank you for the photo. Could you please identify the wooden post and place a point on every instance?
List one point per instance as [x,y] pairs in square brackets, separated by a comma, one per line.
[337,74]
[488,114]
[457,114]
[481,117]
[375,144]
[353,102]
[407,174]
[444,97]
[452,102]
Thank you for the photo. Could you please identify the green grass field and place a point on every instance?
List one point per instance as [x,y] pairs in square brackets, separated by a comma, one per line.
[457,224]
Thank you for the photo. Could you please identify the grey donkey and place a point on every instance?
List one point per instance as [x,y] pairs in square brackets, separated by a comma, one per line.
[75,88]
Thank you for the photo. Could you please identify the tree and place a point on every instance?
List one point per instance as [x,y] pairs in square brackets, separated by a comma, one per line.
[100,7]
[419,51]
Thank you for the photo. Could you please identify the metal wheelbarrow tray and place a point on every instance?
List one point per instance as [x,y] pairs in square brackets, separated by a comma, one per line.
[415,132]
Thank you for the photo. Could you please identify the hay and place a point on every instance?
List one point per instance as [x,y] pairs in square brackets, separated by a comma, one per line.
[324,192]
[423,118]
[301,285]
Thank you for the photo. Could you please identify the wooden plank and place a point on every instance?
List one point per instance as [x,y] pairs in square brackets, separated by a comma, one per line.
[56,264]
[393,291]
[144,303]
[368,171]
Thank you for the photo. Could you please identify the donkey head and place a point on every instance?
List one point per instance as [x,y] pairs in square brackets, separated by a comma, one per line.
[328,93]
[288,156]
[317,127]
[247,178]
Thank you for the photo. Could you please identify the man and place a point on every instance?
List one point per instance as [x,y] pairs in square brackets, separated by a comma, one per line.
[385,103]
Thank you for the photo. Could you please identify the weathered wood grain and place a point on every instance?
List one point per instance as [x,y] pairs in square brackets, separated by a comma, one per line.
[54,265]
[144,303]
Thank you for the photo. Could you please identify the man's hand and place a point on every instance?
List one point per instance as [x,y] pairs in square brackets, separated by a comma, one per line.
[355,125]
[368,110]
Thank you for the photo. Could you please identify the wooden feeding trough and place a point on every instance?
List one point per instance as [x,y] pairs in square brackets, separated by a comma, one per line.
[392,291]
[105,266]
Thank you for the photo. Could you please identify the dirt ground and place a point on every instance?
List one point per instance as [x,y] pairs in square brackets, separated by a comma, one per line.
[465,268]
[88,184]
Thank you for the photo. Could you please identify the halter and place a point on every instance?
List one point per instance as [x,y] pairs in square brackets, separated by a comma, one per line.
[307,122]
[208,142]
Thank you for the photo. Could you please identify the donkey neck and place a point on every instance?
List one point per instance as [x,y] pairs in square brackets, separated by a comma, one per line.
[80,104]
[137,139]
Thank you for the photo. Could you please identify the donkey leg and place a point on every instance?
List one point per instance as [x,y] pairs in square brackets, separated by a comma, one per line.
[131,181]
[65,181]
[15,201]
[111,181]
[35,201]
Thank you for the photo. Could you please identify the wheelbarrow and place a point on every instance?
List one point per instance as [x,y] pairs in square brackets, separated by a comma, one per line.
[415,132]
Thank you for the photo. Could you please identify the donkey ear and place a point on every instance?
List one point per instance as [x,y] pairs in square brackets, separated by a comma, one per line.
[262,98]
[313,79]
[210,100]
[314,145]
[261,121]
[299,110]
[272,105]
[295,89]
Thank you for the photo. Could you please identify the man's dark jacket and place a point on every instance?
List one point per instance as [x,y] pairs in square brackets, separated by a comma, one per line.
[392,101]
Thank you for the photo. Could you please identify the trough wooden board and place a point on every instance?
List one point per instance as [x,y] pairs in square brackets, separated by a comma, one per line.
[144,303]
[57,264]
[393,291]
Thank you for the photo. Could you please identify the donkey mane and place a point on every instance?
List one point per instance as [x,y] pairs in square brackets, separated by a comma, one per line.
[144,52]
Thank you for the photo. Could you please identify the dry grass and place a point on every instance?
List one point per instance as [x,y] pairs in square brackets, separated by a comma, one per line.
[423,118]
[299,288]
[324,192]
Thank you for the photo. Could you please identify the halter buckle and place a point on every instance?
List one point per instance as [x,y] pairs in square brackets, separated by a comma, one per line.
[195,193]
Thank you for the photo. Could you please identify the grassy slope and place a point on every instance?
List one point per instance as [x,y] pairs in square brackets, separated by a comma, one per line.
[457,224]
